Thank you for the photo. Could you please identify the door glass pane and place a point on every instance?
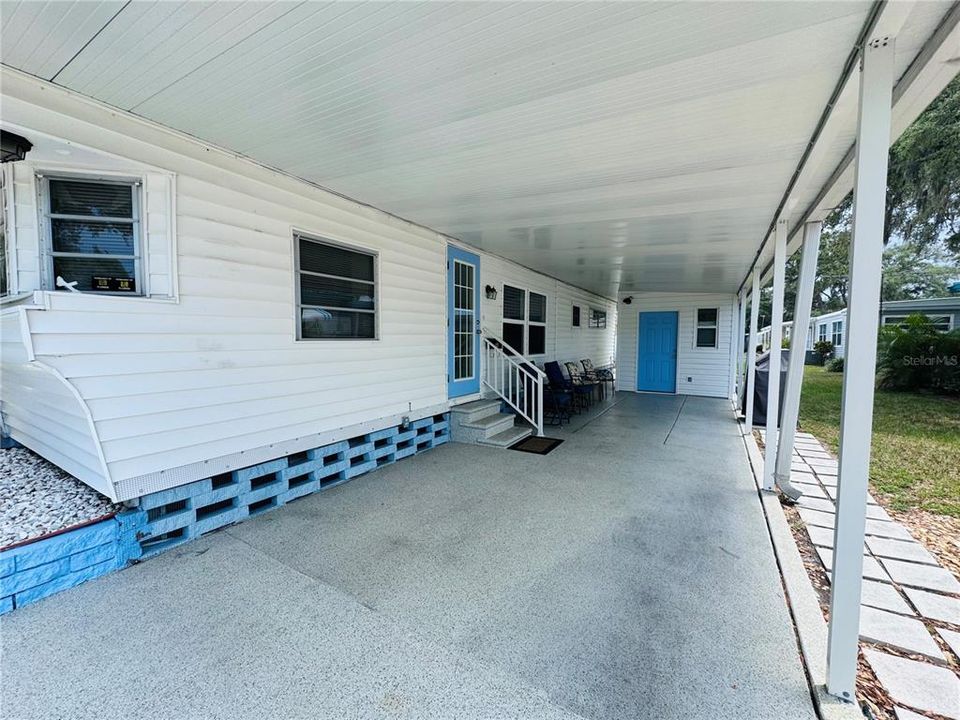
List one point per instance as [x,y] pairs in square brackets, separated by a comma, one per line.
[464,320]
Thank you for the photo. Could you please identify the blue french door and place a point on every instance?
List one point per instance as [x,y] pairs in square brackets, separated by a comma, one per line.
[463,322]
[657,352]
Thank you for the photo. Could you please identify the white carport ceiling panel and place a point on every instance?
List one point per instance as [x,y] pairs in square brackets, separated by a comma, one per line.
[41,37]
[919,23]
[153,44]
[634,145]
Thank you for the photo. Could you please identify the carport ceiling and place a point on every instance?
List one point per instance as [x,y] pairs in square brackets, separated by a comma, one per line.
[618,146]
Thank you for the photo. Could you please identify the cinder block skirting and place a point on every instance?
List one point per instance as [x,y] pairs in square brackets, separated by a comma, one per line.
[172,517]
[32,572]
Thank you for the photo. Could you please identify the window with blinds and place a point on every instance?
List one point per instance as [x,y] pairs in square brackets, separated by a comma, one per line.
[707,319]
[92,235]
[336,291]
[598,318]
[525,320]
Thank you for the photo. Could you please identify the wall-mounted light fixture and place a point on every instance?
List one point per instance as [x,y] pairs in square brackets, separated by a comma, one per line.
[14,147]
[491,292]
[628,300]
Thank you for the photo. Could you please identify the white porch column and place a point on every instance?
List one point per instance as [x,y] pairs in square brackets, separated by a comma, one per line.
[738,343]
[856,415]
[798,345]
[776,339]
[752,347]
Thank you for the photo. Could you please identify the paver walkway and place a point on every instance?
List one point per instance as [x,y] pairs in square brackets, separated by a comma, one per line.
[628,574]
[908,599]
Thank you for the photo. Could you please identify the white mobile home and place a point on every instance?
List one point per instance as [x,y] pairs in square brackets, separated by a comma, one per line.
[259,315]
[253,248]
[943,313]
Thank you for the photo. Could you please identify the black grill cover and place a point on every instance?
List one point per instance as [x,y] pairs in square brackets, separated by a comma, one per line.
[762,382]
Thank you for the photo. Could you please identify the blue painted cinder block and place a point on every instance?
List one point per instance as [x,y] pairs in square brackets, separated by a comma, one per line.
[172,517]
[6,564]
[64,582]
[170,522]
[59,546]
[93,556]
[260,470]
[307,488]
[176,494]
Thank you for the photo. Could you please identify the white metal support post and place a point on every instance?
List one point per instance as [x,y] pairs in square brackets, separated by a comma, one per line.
[738,344]
[856,413]
[752,348]
[776,340]
[798,345]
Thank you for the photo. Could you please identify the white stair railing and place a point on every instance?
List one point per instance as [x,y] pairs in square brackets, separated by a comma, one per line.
[514,378]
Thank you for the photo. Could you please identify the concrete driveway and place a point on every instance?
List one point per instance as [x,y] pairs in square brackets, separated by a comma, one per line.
[628,574]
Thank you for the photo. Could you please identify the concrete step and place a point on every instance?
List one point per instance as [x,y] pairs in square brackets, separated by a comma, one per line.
[508,437]
[490,424]
[481,428]
[468,412]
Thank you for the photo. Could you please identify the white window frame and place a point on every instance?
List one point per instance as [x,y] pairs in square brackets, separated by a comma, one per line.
[48,279]
[298,306]
[697,326]
[527,323]
[901,319]
[821,332]
[593,319]
[836,331]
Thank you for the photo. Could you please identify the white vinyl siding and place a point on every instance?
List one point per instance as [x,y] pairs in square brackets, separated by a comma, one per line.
[708,369]
[563,342]
[42,411]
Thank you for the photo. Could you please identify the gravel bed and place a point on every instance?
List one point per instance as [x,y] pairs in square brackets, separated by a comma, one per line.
[38,498]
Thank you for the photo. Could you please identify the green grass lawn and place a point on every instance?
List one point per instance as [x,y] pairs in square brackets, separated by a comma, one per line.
[915,460]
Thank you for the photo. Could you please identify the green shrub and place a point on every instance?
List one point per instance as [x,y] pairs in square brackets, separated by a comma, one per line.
[824,350]
[917,357]
[835,365]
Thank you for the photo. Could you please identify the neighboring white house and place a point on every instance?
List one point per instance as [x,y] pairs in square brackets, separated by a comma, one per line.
[943,312]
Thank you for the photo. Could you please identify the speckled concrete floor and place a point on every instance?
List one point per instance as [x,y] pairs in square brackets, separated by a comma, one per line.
[627,574]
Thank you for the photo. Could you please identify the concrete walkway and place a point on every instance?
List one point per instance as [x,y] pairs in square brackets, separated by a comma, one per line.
[627,574]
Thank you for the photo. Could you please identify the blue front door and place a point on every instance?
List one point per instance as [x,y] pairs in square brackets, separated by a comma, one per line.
[657,352]
[463,322]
